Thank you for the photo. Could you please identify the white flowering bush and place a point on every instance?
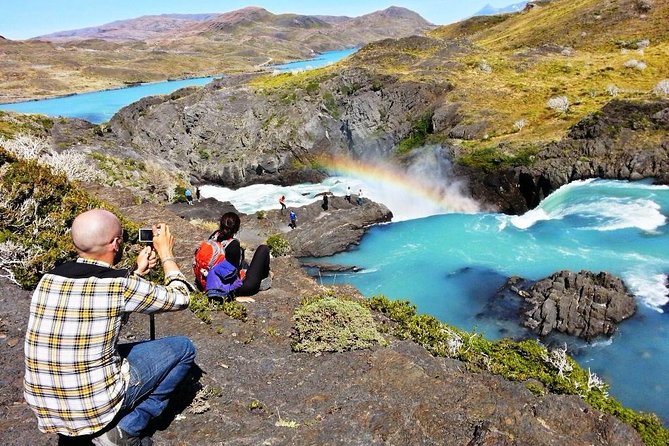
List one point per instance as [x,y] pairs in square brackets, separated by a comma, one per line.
[519,124]
[26,146]
[13,256]
[485,67]
[612,90]
[558,360]
[662,87]
[71,163]
[559,104]
[636,64]
[595,382]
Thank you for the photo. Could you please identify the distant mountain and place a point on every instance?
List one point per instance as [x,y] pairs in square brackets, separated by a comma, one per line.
[491,10]
[255,22]
[140,28]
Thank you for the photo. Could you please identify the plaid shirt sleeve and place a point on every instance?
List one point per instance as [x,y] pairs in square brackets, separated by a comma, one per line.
[143,296]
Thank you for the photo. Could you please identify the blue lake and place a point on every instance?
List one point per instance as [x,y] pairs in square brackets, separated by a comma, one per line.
[320,61]
[100,106]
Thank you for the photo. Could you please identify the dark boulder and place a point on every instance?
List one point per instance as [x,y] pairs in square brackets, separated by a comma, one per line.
[583,304]
[207,209]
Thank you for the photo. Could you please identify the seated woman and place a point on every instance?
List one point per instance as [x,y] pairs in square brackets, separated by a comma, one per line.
[225,278]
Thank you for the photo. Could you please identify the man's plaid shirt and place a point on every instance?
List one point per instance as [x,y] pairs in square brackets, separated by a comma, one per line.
[75,380]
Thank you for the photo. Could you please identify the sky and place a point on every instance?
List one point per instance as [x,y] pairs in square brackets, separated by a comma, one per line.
[22,19]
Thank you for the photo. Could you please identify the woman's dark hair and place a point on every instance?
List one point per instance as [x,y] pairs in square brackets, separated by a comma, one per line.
[228,226]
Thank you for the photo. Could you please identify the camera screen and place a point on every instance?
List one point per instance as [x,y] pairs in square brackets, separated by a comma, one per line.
[146,235]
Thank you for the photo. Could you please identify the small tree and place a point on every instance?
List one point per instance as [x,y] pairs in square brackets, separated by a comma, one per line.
[559,104]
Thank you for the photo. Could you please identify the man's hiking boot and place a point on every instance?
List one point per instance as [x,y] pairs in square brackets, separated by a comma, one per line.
[119,437]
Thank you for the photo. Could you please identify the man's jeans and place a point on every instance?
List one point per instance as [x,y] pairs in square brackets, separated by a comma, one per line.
[156,368]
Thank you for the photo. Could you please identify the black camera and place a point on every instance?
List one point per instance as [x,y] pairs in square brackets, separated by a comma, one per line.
[145,235]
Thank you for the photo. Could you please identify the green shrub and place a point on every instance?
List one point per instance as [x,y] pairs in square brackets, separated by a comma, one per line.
[493,158]
[38,211]
[261,215]
[334,325]
[202,307]
[278,245]
[417,136]
[330,104]
[180,194]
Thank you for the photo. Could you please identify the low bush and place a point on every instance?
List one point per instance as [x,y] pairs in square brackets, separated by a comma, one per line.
[492,158]
[417,136]
[329,324]
[38,208]
[278,245]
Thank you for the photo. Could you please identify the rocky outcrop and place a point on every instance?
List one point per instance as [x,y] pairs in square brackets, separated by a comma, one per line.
[231,134]
[624,141]
[319,232]
[583,304]
[322,233]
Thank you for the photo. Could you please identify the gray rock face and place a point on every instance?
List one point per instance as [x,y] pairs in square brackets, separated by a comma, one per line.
[232,134]
[583,304]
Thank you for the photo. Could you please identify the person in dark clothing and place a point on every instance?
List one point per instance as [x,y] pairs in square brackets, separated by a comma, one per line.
[197,194]
[259,268]
[293,219]
[325,202]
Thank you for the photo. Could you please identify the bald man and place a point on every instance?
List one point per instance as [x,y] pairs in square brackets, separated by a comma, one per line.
[78,381]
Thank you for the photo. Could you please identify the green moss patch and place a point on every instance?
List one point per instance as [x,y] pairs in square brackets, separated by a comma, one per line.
[334,325]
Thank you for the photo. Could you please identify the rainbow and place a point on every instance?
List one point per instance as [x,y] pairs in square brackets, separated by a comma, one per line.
[445,197]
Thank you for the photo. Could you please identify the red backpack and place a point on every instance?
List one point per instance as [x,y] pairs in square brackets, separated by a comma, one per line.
[209,254]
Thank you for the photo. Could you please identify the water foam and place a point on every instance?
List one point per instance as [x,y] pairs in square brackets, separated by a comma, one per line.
[651,289]
[621,210]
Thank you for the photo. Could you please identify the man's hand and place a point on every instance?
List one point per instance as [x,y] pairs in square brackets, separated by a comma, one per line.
[163,242]
[146,261]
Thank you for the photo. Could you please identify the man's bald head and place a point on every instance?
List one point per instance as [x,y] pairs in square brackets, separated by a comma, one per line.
[93,230]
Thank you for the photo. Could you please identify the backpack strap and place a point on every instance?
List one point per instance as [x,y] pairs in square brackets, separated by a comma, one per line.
[217,248]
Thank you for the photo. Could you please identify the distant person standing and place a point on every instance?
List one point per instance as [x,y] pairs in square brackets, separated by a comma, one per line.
[282,202]
[359,199]
[197,194]
[293,219]
[325,202]
[348,194]
[189,196]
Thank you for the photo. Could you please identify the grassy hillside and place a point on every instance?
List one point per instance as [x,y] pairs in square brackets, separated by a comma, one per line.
[505,69]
